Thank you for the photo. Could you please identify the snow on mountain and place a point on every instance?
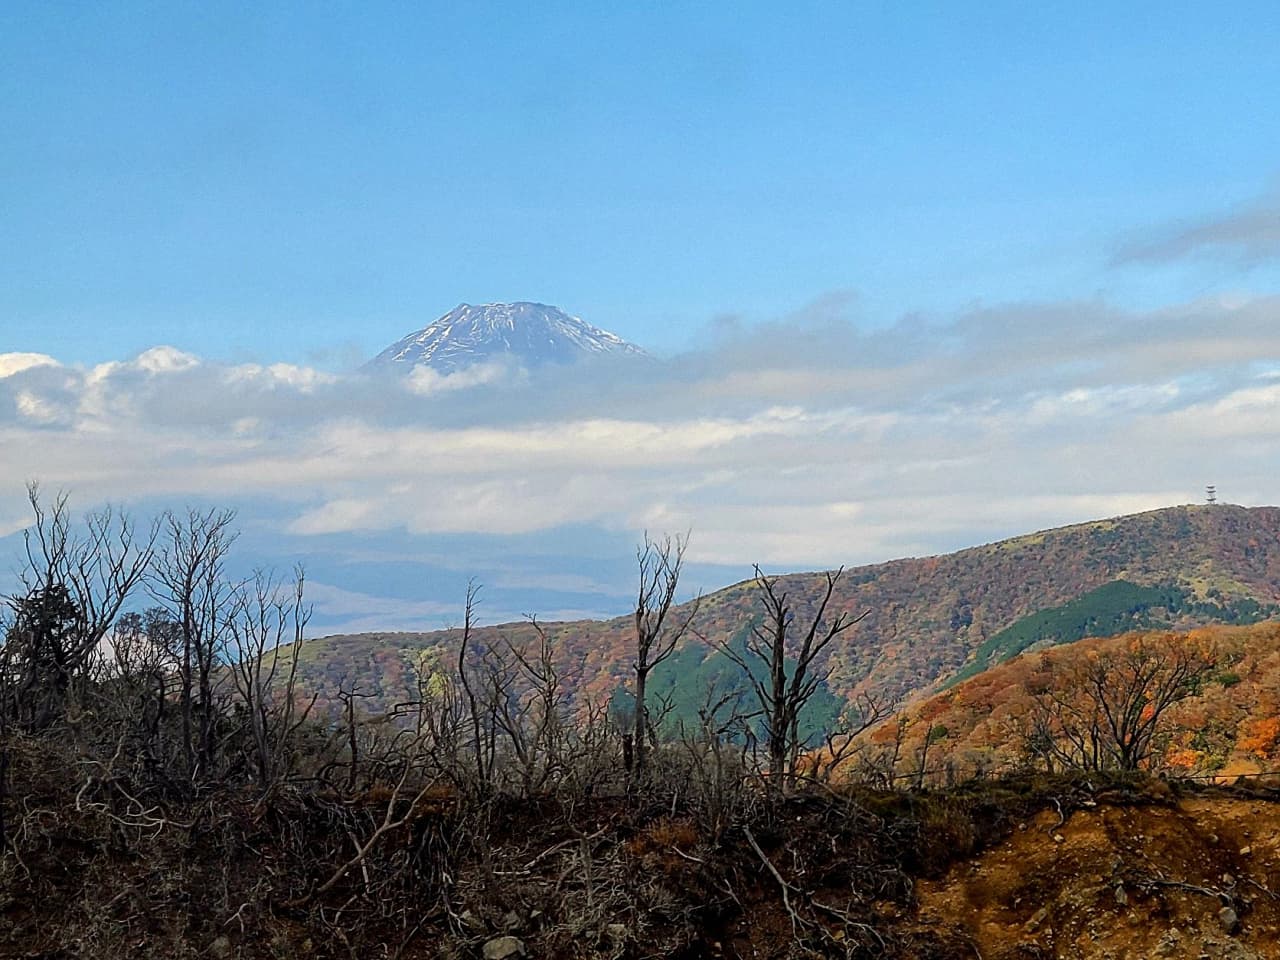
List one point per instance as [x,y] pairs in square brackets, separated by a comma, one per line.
[531,334]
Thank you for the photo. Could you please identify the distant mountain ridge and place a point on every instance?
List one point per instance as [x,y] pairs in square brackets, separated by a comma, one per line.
[530,334]
[928,619]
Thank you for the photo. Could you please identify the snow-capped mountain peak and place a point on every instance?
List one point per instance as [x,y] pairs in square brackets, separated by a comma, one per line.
[530,334]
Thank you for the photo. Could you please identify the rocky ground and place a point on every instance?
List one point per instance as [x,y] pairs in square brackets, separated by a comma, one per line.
[1067,867]
[1194,877]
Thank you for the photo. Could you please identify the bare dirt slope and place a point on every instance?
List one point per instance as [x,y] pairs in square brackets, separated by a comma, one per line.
[1192,877]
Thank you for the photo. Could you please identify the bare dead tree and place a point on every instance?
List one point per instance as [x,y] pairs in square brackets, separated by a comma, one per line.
[189,580]
[136,689]
[267,627]
[539,727]
[74,586]
[715,750]
[660,563]
[1039,732]
[482,736]
[347,696]
[6,694]
[505,715]
[441,715]
[781,692]
[588,752]
[840,746]
[519,706]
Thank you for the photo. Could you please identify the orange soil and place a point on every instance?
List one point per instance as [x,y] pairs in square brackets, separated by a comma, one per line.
[1116,882]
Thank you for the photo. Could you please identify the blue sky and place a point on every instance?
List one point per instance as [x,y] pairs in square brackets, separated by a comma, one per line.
[309,182]
[922,275]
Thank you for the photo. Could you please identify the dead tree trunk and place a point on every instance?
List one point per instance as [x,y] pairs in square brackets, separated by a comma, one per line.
[188,580]
[782,693]
[656,638]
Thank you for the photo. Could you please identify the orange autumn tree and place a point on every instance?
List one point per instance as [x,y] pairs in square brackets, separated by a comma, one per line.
[1260,736]
[1103,710]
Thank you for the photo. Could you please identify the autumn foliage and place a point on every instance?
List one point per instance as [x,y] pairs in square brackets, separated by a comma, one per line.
[1202,702]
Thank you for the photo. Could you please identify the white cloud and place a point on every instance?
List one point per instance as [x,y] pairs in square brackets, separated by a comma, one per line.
[13,523]
[424,381]
[11,363]
[302,379]
[1247,412]
[339,516]
[164,359]
[796,445]
[1105,401]
[36,408]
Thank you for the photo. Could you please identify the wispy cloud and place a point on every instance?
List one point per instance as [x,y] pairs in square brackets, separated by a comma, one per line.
[1250,235]
[365,612]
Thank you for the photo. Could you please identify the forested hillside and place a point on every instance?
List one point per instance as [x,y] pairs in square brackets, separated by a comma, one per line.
[928,621]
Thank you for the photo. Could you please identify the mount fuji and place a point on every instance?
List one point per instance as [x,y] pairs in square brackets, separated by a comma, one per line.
[530,334]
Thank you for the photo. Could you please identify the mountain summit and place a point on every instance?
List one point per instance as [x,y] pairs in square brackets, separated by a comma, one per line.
[531,334]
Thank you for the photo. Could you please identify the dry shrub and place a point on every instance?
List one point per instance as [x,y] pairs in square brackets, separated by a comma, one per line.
[663,834]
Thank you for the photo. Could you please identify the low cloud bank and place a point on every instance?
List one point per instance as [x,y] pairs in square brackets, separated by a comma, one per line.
[802,443]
